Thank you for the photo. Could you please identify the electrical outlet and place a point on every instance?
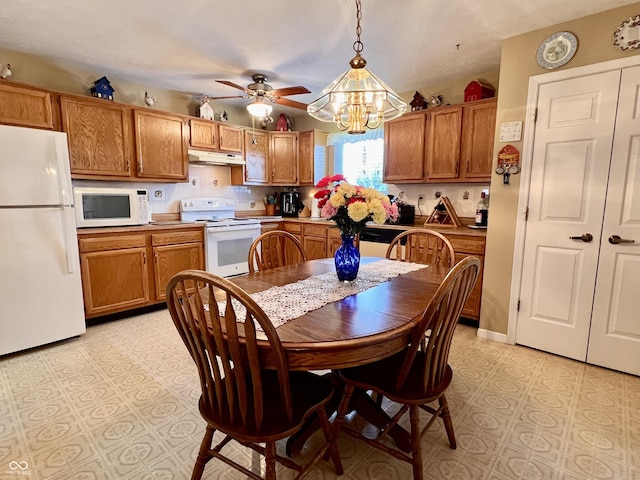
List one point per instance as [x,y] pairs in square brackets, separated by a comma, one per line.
[195,181]
[158,193]
[421,199]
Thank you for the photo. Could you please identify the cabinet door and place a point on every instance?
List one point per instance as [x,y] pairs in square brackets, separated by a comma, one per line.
[171,259]
[161,145]
[256,168]
[99,137]
[114,280]
[443,144]
[306,157]
[404,148]
[230,138]
[25,107]
[478,132]
[314,247]
[202,134]
[284,158]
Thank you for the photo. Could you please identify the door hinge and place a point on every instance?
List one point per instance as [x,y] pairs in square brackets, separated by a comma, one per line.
[526,214]
[518,306]
[535,115]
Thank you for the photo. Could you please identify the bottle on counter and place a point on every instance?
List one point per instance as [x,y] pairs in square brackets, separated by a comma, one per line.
[482,211]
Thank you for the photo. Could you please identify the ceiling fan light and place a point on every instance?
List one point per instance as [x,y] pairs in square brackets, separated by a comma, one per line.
[351,99]
[259,108]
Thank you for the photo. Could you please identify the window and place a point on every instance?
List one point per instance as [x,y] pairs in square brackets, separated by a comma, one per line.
[359,157]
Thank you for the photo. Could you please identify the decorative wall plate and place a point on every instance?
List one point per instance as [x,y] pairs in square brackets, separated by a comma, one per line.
[556,50]
[627,35]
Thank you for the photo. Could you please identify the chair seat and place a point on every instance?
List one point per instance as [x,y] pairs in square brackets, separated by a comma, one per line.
[308,391]
[381,377]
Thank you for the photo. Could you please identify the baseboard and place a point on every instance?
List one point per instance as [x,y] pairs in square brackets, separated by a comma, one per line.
[488,334]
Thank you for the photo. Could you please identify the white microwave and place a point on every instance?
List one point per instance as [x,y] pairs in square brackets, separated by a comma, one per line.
[111,207]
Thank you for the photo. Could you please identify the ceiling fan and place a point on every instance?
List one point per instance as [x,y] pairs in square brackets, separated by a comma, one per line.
[262,90]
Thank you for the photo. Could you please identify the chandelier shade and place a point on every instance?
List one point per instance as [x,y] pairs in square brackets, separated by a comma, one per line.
[357,99]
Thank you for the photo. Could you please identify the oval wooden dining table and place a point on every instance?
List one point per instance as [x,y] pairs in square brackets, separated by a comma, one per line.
[359,329]
[356,330]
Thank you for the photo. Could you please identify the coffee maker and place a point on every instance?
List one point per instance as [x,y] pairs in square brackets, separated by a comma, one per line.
[290,204]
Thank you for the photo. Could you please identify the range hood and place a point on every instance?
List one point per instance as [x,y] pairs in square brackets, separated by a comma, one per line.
[215,158]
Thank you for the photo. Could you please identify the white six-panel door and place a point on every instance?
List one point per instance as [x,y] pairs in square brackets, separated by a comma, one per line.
[615,325]
[571,156]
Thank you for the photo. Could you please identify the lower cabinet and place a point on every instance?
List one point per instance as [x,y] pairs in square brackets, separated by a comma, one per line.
[465,245]
[124,270]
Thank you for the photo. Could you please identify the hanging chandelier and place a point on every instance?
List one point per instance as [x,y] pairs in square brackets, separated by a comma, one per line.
[357,99]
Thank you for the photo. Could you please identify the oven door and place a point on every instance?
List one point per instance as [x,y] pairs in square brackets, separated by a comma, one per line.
[228,249]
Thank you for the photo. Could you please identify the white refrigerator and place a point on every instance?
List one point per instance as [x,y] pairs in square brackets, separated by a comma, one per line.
[40,285]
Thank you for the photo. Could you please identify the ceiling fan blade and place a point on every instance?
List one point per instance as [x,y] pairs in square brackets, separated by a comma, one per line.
[291,103]
[231,84]
[233,96]
[281,92]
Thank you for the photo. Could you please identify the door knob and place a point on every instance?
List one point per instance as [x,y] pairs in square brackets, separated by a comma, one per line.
[585,237]
[615,240]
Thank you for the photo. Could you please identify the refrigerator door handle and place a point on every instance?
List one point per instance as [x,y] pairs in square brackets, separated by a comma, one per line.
[62,166]
[69,235]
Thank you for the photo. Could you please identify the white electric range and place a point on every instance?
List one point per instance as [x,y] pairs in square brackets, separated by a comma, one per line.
[227,239]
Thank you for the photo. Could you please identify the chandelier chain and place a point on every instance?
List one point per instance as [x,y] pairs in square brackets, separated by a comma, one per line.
[357,45]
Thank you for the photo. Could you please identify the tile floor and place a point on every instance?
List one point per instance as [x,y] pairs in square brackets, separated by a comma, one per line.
[120,403]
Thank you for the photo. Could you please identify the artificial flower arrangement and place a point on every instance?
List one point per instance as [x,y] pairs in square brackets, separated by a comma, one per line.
[352,206]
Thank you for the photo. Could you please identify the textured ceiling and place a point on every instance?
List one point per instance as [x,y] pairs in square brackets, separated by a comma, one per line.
[186,45]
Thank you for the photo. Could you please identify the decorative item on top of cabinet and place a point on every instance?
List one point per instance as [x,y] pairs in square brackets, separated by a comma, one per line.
[205,111]
[418,102]
[100,138]
[26,106]
[161,145]
[101,88]
[477,90]
[5,72]
[149,100]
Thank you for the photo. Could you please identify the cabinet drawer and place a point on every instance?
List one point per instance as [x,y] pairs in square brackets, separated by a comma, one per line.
[103,244]
[293,227]
[314,230]
[334,232]
[173,238]
[467,244]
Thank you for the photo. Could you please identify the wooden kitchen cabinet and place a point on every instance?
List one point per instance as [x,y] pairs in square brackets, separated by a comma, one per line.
[306,149]
[172,253]
[115,273]
[404,148]
[255,171]
[215,136]
[478,131]
[442,145]
[161,146]
[26,106]
[469,245]
[99,134]
[122,270]
[283,158]
[314,241]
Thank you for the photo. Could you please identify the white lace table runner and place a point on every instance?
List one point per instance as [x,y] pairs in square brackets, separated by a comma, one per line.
[293,300]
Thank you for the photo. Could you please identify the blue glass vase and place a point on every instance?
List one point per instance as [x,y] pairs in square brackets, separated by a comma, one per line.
[347,259]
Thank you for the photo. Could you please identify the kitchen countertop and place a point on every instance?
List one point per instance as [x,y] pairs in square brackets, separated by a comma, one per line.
[169,225]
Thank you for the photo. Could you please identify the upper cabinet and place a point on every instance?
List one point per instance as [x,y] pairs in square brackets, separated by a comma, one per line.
[283,150]
[215,136]
[161,145]
[306,150]
[404,148]
[255,171]
[100,138]
[445,144]
[25,106]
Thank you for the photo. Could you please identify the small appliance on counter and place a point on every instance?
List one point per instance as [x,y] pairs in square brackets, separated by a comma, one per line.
[406,212]
[290,204]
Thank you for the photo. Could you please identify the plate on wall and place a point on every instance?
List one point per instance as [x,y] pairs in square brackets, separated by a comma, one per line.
[627,35]
[556,50]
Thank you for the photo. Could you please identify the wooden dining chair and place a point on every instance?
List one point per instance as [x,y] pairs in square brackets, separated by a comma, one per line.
[275,248]
[414,377]
[424,246]
[241,398]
